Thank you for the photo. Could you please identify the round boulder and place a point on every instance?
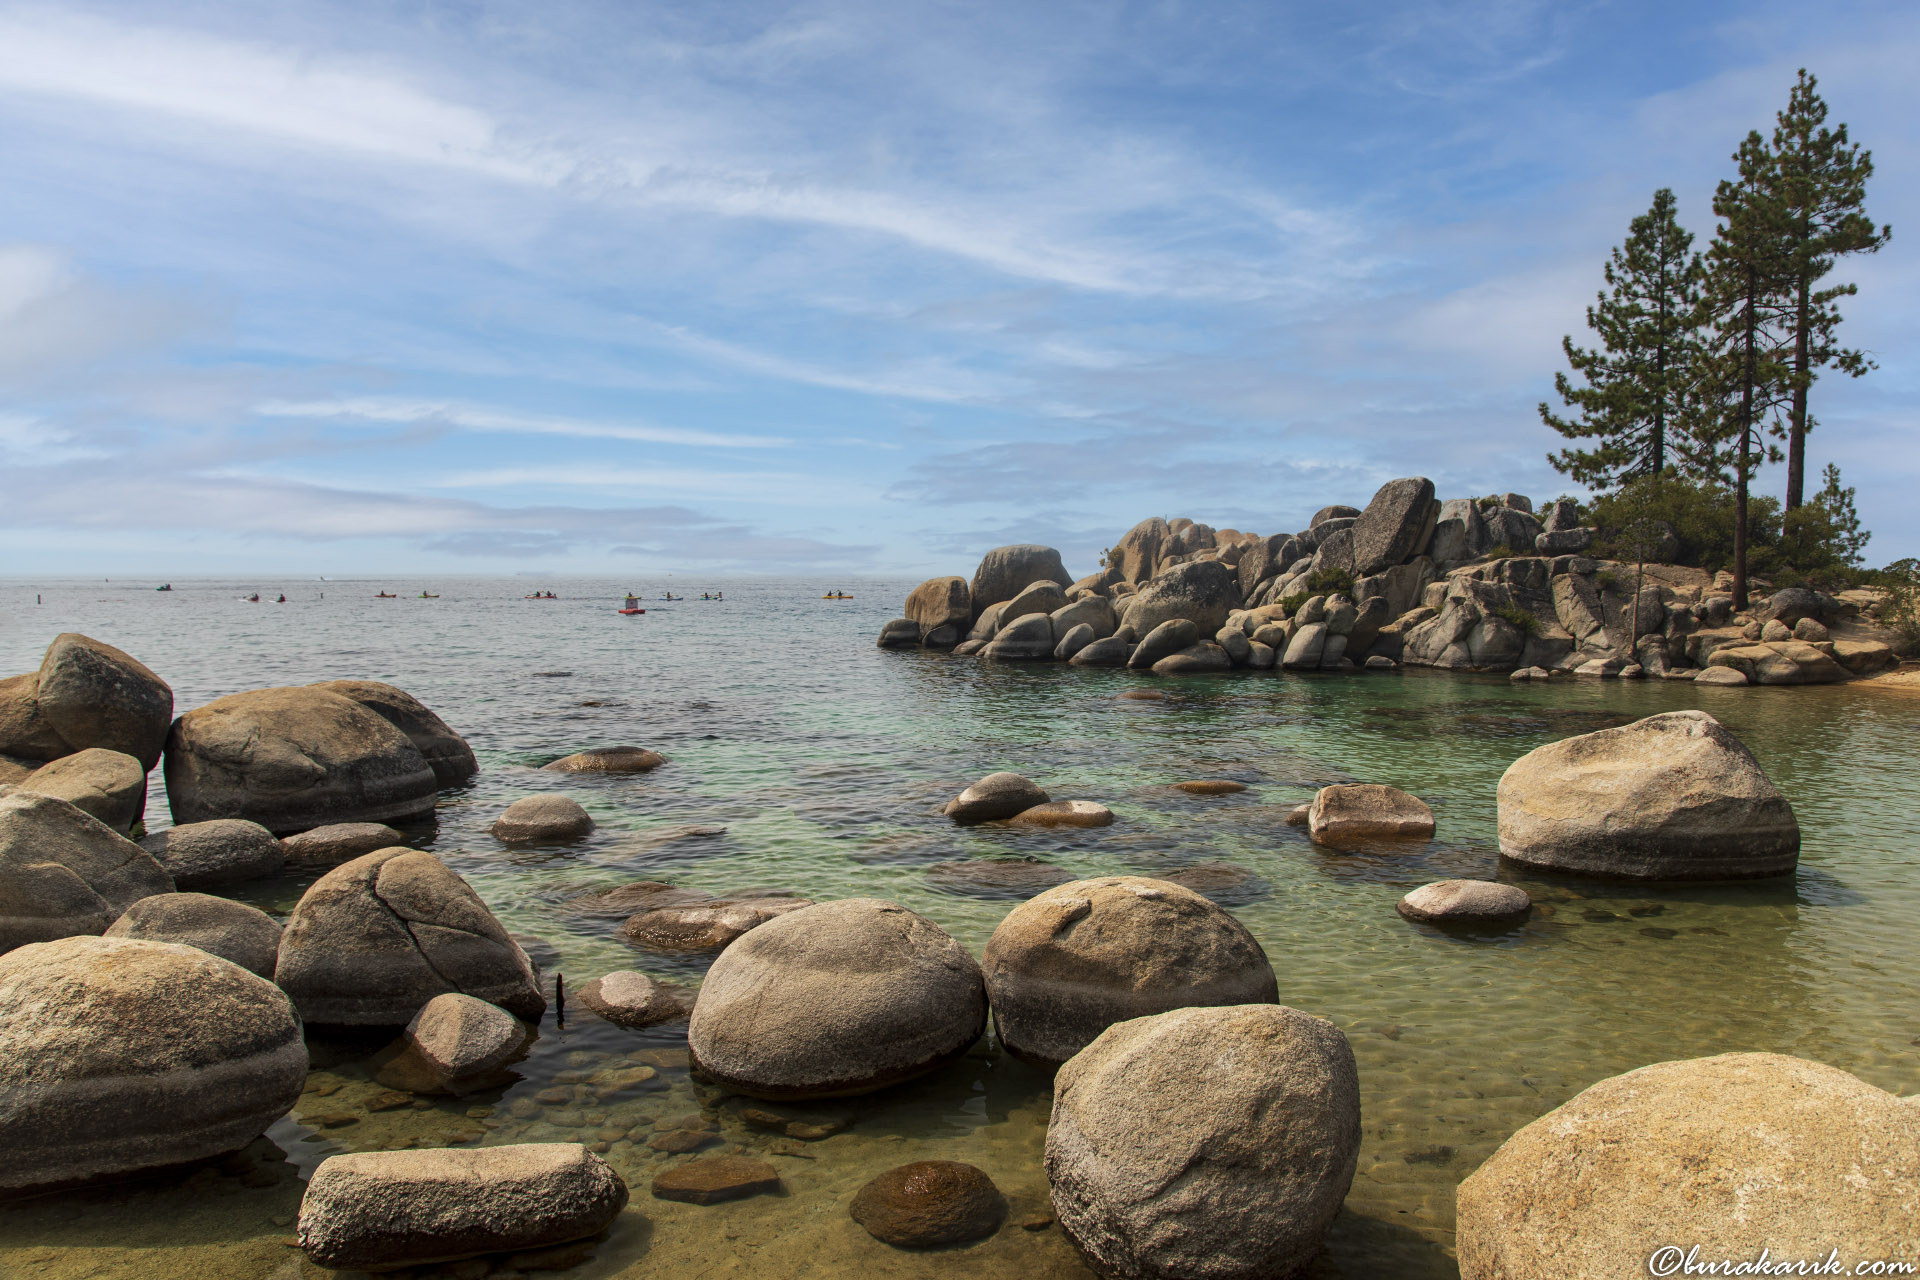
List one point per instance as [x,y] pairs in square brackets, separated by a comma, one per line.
[870,994]
[629,999]
[1356,812]
[608,760]
[1196,659]
[223,851]
[291,759]
[221,927]
[1064,813]
[339,842]
[110,785]
[1026,638]
[998,795]
[1212,1142]
[1733,1154]
[93,695]
[1466,902]
[928,1203]
[118,1055]
[460,1038]
[1064,966]
[549,819]
[1671,797]
[445,751]
[378,1210]
[374,939]
[1005,572]
[64,872]
[1203,592]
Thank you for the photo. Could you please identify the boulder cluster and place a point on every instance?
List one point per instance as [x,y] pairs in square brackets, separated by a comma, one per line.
[1467,584]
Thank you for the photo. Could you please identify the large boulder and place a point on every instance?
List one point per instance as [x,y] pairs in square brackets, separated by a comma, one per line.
[25,734]
[93,695]
[1203,592]
[381,1210]
[1169,638]
[1064,966]
[542,819]
[940,602]
[110,785]
[1511,528]
[1396,526]
[338,842]
[294,758]
[1333,512]
[234,931]
[1671,797]
[870,994]
[1027,638]
[1213,1143]
[1136,557]
[1736,1155]
[374,939]
[1095,612]
[998,795]
[1196,659]
[1356,812]
[64,872]
[446,752]
[118,1055]
[223,851]
[1111,652]
[1459,535]
[1038,597]
[1005,572]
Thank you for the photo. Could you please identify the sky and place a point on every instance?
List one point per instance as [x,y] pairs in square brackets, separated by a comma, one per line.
[744,288]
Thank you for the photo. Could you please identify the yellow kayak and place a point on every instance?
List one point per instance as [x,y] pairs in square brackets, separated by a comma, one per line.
[836,597]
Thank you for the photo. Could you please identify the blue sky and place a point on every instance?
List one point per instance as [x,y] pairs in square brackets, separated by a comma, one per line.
[759,288]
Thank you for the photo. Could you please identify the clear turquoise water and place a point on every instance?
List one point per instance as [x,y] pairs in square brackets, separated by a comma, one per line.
[825,760]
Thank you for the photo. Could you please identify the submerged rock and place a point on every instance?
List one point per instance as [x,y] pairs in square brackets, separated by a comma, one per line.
[223,851]
[548,819]
[629,999]
[445,751]
[998,795]
[608,760]
[1671,797]
[118,1055]
[997,877]
[374,939]
[705,926]
[1733,1154]
[1357,812]
[110,785]
[870,994]
[64,872]
[234,931]
[928,1203]
[1066,965]
[1466,902]
[339,842]
[1224,883]
[714,1179]
[1216,1142]
[1064,813]
[1210,787]
[378,1210]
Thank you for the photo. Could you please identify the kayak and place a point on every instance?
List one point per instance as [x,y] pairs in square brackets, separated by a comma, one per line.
[836,597]
[630,612]
[385,595]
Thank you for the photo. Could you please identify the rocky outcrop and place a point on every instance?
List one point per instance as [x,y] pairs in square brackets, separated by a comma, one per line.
[234,931]
[445,751]
[290,759]
[110,785]
[1358,812]
[1005,572]
[378,1210]
[929,1203]
[85,694]
[224,851]
[870,994]
[545,819]
[1734,1155]
[1064,966]
[940,602]
[374,939]
[998,795]
[118,1055]
[64,872]
[1786,661]
[1671,797]
[1215,1142]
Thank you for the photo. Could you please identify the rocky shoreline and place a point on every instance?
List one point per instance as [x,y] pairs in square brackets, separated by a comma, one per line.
[1466,585]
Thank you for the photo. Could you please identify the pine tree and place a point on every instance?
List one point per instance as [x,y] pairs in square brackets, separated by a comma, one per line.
[1820,184]
[1747,308]
[1849,540]
[1641,394]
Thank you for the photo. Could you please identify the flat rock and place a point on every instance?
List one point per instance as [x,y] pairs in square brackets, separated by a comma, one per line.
[633,899]
[380,1210]
[998,795]
[110,785]
[705,926]
[997,877]
[446,752]
[293,759]
[713,1179]
[547,819]
[234,931]
[118,1055]
[608,760]
[64,872]
[1671,797]
[1215,1142]
[338,842]
[1064,813]
[630,999]
[1466,902]
[929,1203]
[1067,964]
[1210,787]
[1734,1154]
[870,994]
[223,851]
[374,939]
[1362,811]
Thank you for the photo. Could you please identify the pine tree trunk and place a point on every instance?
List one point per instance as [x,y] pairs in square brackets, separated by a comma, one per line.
[1797,427]
[1747,374]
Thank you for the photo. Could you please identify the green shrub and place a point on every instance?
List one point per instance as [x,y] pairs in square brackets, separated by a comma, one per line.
[1607,580]
[1513,613]
[1900,611]
[1329,581]
[1502,552]
[1290,605]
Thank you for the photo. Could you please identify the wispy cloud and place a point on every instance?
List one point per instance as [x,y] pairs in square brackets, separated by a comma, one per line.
[466,417]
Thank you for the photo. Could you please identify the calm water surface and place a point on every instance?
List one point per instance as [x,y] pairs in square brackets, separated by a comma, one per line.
[825,760]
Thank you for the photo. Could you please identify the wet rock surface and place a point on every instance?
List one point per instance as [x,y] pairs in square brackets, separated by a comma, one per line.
[998,795]
[714,1179]
[630,999]
[548,819]
[1466,902]
[608,760]
[929,1203]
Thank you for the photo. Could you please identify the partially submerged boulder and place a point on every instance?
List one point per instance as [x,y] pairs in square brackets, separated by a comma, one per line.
[374,939]
[870,994]
[544,819]
[462,1039]
[338,842]
[110,785]
[223,851]
[709,925]
[445,751]
[1025,638]
[940,602]
[630,999]
[291,759]
[118,1055]
[381,1210]
[608,760]
[1671,797]
[234,931]
[1736,1155]
[1467,902]
[1356,812]
[1215,1142]
[1064,813]
[998,795]
[64,872]
[1064,966]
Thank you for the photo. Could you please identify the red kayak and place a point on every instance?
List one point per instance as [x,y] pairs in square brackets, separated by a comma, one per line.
[631,612]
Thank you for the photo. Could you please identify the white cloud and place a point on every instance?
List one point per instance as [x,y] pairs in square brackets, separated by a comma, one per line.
[466,417]
[787,487]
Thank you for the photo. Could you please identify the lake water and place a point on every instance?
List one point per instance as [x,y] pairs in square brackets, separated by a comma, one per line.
[825,760]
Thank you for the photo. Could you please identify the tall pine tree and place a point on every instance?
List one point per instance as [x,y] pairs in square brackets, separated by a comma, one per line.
[1747,309]
[1641,396]
[1820,184]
